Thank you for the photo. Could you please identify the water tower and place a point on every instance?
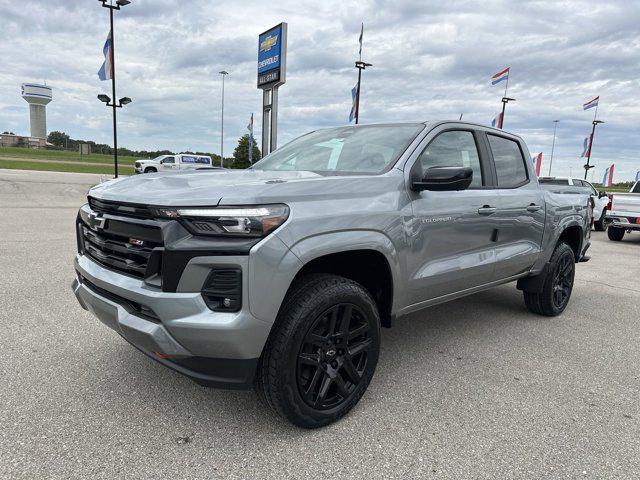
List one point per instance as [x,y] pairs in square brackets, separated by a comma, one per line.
[38,96]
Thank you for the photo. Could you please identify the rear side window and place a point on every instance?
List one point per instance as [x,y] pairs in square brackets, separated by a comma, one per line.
[636,188]
[553,181]
[509,162]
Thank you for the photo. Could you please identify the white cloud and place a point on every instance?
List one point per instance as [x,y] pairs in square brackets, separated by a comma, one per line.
[431,60]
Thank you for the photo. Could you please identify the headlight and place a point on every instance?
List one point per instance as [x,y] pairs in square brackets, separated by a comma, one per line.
[250,221]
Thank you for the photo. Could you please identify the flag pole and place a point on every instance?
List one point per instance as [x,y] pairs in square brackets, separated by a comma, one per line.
[360,65]
[504,102]
[113,92]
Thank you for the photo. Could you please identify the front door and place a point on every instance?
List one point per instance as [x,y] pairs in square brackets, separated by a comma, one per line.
[168,163]
[452,233]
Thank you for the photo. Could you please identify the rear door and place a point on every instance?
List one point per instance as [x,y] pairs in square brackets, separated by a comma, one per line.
[521,207]
[451,234]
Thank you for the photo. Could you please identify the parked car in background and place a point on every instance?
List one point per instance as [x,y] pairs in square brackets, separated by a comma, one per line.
[624,216]
[181,161]
[577,185]
[280,276]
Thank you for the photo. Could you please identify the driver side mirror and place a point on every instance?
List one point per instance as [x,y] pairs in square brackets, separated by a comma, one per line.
[440,179]
[602,194]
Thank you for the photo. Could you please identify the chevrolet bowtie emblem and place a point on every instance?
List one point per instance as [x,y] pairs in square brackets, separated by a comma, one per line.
[96,222]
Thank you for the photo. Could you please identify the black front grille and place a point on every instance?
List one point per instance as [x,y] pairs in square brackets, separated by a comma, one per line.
[122,248]
[116,208]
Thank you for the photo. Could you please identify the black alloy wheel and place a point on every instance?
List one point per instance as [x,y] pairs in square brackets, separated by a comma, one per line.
[563,281]
[322,351]
[557,284]
[333,356]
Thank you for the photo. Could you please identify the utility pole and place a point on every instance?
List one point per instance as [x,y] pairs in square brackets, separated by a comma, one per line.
[224,74]
[111,7]
[555,126]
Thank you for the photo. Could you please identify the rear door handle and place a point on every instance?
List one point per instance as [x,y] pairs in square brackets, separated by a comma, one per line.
[487,210]
[533,208]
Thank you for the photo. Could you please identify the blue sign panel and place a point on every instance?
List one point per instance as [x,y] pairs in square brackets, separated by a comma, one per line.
[271,47]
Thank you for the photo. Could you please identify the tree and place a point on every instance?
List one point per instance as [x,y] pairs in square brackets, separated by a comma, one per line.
[59,139]
[241,153]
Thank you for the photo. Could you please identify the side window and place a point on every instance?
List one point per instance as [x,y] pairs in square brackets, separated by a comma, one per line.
[509,162]
[453,149]
[169,160]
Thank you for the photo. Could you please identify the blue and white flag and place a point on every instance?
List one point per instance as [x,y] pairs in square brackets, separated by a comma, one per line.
[354,93]
[106,70]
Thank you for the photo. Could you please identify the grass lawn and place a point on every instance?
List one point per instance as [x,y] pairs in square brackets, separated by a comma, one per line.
[65,167]
[44,154]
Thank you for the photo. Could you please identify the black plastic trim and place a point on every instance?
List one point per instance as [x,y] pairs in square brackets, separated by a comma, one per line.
[227,373]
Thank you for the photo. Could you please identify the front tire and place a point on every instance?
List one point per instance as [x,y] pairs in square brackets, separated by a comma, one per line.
[150,170]
[557,285]
[616,234]
[322,352]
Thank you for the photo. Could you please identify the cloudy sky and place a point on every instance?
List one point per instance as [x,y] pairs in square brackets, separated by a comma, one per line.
[432,60]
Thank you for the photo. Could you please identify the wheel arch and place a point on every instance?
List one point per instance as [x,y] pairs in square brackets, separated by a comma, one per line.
[367,257]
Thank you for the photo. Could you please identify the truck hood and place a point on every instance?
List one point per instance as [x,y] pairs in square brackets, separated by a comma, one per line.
[240,187]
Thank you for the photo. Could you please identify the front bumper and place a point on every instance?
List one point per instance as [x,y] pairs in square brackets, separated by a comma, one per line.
[219,349]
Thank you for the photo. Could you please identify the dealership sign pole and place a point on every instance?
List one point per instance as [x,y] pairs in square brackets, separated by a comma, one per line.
[272,60]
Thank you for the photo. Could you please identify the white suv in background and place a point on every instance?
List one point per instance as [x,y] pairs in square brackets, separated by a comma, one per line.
[180,161]
[577,185]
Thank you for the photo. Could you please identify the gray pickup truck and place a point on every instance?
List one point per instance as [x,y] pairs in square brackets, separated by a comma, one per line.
[280,277]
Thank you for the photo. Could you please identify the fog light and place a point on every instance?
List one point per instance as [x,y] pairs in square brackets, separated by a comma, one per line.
[222,290]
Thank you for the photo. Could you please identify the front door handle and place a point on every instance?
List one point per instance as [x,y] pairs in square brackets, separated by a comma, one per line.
[533,208]
[487,210]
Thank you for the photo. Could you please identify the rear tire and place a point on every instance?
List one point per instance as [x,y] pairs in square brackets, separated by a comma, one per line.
[600,225]
[150,170]
[322,351]
[557,286]
[616,234]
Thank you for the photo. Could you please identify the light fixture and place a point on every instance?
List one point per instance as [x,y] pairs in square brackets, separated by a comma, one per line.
[124,101]
[104,98]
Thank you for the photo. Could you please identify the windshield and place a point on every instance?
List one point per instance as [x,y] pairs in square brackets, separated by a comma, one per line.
[364,149]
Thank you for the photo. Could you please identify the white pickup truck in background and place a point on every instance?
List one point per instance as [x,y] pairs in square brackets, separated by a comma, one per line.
[624,215]
[181,161]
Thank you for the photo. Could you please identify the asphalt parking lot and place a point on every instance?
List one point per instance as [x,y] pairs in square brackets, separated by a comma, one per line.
[477,388]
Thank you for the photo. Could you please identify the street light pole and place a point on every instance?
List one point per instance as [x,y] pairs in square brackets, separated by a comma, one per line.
[111,7]
[224,74]
[555,126]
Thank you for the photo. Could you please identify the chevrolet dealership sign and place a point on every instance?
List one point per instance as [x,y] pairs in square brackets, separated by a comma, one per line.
[272,53]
